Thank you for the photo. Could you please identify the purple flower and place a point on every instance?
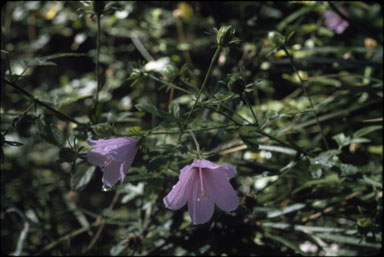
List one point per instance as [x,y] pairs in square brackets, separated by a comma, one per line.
[203,184]
[334,22]
[114,157]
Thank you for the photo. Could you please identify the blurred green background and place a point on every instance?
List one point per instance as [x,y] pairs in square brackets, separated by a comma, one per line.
[326,203]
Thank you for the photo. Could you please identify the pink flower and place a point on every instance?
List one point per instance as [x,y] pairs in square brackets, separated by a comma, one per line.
[335,22]
[203,184]
[114,157]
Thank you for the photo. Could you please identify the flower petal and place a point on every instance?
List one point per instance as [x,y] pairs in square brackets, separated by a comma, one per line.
[200,206]
[104,142]
[220,190]
[227,170]
[205,164]
[179,194]
[111,173]
[123,150]
[97,158]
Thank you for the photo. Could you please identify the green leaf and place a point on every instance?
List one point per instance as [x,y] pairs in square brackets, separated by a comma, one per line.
[326,81]
[68,100]
[175,110]
[38,62]
[45,60]
[366,130]
[341,139]
[13,143]
[348,169]
[288,209]
[82,176]
[349,240]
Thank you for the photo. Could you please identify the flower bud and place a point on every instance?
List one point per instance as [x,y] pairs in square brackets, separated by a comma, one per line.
[236,85]
[224,36]
[98,7]
[276,39]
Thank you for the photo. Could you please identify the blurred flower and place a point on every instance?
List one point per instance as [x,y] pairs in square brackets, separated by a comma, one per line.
[114,157]
[159,65]
[203,184]
[334,22]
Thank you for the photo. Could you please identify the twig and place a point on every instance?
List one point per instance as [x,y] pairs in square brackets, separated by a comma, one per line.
[213,61]
[59,114]
[102,222]
[22,237]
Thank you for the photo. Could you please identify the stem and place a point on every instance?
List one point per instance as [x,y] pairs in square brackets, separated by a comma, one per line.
[59,114]
[196,143]
[169,84]
[245,98]
[214,58]
[102,223]
[97,62]
[307,94]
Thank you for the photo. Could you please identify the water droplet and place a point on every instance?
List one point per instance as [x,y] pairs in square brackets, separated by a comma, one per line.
[105,188]
[198,199]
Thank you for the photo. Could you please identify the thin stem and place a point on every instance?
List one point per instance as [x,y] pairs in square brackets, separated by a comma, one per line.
[245,98]
[196,143]
[63,238]
[98,18]
[214,58]
[169,84]
[102,223]
[213,61]
[307,94]
[59,114]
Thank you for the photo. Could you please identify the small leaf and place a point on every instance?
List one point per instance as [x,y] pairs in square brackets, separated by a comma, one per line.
[82,177]
[341,139]
[366,130]
[12,143]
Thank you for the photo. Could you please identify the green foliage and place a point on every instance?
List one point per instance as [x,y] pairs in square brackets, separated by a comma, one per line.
[292,104]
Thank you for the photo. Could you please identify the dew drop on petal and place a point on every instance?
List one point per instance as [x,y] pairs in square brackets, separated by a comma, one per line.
[105,188]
